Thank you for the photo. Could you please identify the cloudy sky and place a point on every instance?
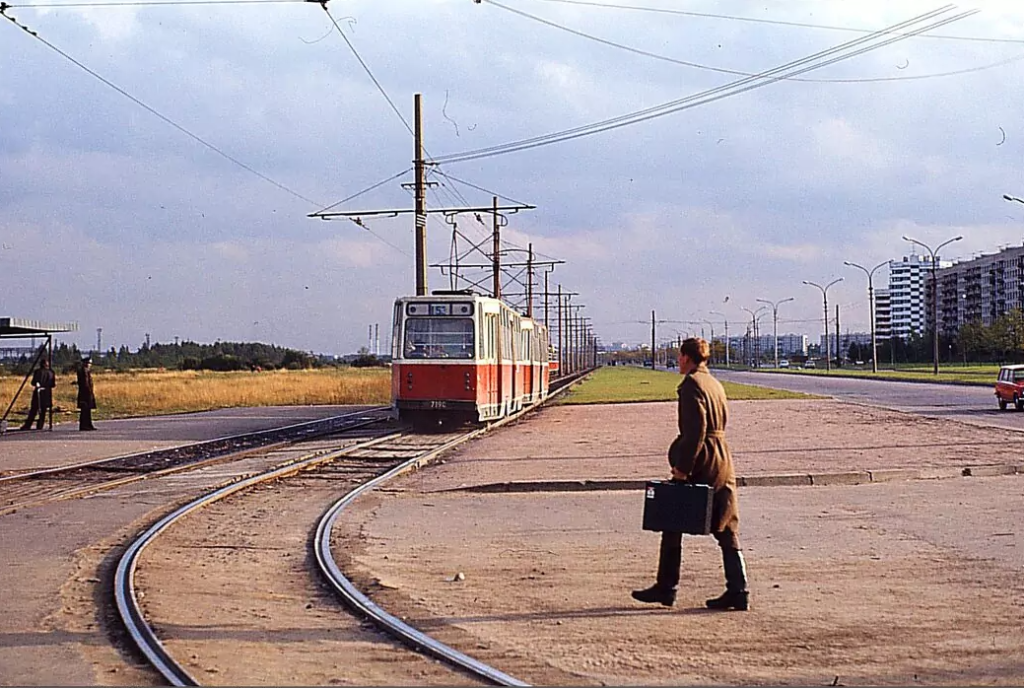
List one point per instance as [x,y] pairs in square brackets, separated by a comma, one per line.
[158,163]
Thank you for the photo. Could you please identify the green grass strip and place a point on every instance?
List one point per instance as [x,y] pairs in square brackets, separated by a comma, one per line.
[975,374]
[623,384]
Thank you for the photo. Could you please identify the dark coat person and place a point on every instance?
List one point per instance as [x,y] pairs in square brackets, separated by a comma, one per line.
[43,382]
[86,395]
[700,454]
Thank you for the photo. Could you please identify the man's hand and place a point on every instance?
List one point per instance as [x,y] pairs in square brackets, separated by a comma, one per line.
[678,474]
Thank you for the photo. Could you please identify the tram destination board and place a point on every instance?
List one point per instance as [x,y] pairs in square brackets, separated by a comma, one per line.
[677,507]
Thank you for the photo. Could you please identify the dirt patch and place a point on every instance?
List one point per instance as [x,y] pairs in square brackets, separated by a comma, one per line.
[899,583]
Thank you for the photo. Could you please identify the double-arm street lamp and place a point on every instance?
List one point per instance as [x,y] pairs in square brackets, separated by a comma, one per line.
[824,296]
[775,323]
[935,295]
[725,318]
[871,309]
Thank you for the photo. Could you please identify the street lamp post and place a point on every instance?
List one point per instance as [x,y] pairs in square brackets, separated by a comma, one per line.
[775,323]
[871,308]
[726,320]
[935,295]
[828,344]
[754,348]
[712,326]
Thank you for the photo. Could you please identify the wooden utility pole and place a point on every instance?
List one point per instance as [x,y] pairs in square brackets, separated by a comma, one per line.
[420,211]
[561,365]
[546,327]
[421,202]
[529,282]
[496,251]
[654,351]
[839,348]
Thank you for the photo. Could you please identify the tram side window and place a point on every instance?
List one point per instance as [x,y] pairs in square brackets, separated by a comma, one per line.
[439,338]
[396,328]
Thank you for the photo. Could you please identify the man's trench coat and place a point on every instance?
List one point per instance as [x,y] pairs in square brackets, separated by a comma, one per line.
[701,452]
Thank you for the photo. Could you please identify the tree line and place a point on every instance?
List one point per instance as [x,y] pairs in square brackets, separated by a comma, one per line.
[220,356]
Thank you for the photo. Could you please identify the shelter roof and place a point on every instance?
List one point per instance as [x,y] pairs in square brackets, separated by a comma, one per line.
[22,327]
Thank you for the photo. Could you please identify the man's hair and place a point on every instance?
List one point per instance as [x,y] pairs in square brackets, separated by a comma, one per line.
[696,348]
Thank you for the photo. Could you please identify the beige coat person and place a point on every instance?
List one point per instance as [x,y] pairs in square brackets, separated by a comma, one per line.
[702,453]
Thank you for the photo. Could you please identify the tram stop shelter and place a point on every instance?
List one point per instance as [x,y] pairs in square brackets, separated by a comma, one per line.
[21,329]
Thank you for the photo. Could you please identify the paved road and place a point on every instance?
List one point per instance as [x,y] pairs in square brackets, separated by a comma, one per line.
[970,404]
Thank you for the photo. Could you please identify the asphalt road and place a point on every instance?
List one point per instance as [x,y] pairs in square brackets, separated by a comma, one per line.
[966,403]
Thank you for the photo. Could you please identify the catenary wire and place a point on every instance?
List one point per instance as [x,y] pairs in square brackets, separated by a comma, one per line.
[708,95]
[366,190]
[47,5]
[711,95]
[366,68]
[153,111]
[776,22]
[198,138]
[737,72]
[457,195]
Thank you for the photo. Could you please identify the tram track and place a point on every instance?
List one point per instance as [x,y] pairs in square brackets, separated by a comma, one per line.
[363,465]
[43,486]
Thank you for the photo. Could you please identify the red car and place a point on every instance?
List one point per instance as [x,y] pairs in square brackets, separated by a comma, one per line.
[1010,387]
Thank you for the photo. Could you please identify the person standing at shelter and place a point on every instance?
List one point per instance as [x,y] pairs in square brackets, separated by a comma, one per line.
[43,382]
[700,454]
[86,396]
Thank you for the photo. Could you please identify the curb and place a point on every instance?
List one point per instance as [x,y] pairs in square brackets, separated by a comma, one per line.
[886,475]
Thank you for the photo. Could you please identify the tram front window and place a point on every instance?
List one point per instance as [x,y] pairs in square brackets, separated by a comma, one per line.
[438,338]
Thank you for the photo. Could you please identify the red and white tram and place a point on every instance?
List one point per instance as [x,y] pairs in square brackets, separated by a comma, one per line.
[458,356]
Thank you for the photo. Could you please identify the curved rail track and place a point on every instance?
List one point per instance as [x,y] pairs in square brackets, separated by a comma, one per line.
[357,461]
[38,487]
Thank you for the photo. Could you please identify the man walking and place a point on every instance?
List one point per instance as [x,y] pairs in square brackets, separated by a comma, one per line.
[700,454]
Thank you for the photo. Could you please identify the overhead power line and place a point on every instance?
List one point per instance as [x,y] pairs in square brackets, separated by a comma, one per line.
[153,111]
[777,22]
[193,136]
[818,60]
[366,67]
[144,3]
[737,72]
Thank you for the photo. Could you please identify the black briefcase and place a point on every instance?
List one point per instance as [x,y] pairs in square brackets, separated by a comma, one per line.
[678,507]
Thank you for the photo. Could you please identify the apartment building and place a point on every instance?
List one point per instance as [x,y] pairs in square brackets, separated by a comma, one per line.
[981,289]
[907,294]
[883,314]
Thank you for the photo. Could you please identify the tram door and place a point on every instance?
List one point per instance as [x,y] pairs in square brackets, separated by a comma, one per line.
[514,335]
[492,328]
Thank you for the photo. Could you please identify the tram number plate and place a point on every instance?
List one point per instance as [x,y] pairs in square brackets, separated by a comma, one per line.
[438,404]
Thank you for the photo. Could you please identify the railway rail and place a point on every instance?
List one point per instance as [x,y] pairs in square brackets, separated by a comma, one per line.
[368,464]
[38,487]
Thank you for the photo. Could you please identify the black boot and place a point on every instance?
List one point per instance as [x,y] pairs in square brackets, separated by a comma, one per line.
[664,596]
[670,558]
[735,595]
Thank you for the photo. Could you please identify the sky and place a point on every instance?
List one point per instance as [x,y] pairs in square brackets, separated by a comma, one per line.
[158,163]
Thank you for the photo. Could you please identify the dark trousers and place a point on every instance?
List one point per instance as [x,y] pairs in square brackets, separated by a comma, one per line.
[85,419]
[670,559]
[33,411]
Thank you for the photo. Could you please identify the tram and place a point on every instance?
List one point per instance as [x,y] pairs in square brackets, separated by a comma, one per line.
[461,357]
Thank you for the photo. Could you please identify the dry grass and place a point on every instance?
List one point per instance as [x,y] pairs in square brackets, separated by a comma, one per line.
[154,392]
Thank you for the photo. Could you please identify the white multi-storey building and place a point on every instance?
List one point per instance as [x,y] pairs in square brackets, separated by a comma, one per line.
[845,340]
[763,346]
[907,281]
